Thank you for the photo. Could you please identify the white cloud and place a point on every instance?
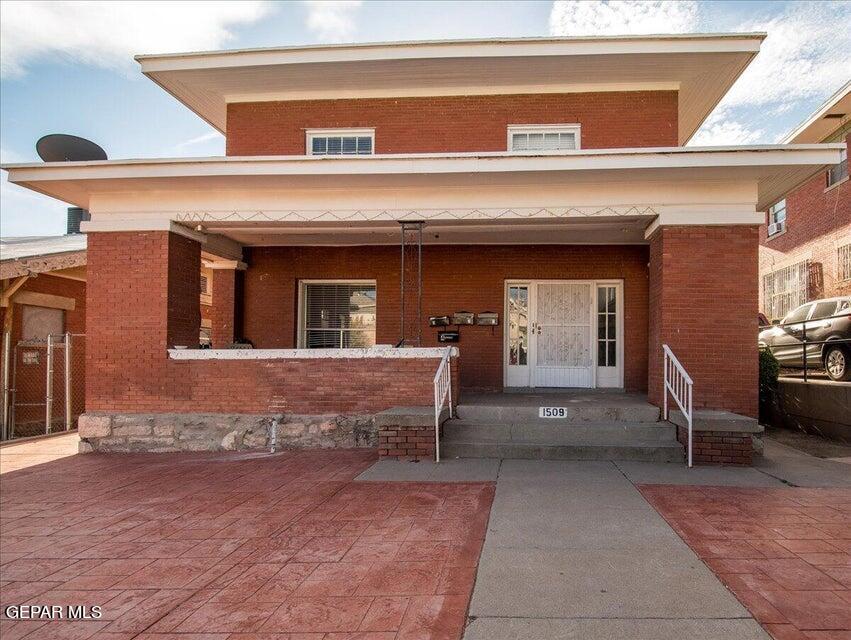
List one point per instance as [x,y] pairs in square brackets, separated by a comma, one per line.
[804,55]
[108,34]
[721,128]
[332,20]
[622,17]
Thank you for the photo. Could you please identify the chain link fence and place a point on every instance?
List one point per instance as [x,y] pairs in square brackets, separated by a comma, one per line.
[43,385]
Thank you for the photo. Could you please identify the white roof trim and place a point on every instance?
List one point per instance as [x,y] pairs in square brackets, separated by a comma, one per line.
[802,129]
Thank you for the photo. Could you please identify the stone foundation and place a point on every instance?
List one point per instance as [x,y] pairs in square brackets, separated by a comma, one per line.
[168,432]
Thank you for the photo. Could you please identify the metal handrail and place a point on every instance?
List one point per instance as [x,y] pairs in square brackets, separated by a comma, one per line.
[804,342]
[442,392]
[680,385]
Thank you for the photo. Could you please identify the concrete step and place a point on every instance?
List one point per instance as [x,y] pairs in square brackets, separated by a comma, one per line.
[645,452]
[580,412]
[548,433]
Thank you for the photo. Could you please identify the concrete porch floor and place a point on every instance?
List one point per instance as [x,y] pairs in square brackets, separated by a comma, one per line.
[517,397]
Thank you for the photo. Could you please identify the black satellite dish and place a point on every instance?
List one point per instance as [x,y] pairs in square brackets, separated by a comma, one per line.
[61,147]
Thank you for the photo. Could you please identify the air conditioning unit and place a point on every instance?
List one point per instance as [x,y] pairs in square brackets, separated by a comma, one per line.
[776,227]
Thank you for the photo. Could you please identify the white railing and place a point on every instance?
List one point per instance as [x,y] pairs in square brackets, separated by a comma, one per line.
[442,395]
[679,384]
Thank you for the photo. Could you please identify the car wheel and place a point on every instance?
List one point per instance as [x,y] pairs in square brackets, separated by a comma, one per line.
[837,363]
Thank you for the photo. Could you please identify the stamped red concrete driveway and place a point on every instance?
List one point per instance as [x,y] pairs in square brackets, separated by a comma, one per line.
[226,545]
[784,553]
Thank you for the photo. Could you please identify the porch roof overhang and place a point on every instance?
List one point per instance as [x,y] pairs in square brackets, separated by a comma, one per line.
[701,67]
[239,182]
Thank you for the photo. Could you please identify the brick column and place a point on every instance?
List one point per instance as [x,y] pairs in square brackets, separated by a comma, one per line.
[223,311]
[703,304]
[141,299]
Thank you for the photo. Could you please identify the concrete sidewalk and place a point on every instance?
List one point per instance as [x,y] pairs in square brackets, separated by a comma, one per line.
[574,551]
[31,452]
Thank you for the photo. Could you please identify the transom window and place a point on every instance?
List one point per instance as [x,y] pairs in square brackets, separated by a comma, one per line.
[337,315]
[340,142]
[549,137]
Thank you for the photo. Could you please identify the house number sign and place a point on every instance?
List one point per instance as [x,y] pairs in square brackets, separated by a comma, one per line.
[552,412]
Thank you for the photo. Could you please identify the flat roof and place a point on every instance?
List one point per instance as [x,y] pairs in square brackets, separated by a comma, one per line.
[775,168]
[23,247]
[701,67]
[829,117]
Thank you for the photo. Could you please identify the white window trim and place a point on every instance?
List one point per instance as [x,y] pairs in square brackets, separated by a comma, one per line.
[573,128]
[309,134]
[300,310]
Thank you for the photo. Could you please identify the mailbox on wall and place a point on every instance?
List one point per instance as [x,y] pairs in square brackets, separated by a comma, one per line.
[488,319]
[438,321]
[463,317]
[448,336]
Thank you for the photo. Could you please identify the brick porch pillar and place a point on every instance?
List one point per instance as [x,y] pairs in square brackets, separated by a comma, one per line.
[223,311]
[703,304]
[141,298]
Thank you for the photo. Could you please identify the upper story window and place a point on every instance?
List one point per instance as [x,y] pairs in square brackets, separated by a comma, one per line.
[838,172]
[543,137]
[777,218]
[340,142]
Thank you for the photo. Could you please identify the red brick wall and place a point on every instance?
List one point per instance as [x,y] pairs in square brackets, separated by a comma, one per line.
[455,123]
[222,310]
[455,278]
[812,211]
[703,304]
[142,299]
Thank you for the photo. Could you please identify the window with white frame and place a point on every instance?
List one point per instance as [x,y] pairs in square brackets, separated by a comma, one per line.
[550,137]
[838,172]
[785,289]
[843,262]
[777,218]
[337,314]
[340,142]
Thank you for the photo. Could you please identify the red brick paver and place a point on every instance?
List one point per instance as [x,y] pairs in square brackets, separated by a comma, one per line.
[217,546]
[784,553]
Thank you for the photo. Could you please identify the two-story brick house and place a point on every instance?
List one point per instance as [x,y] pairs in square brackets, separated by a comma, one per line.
[805,244]
[541,180]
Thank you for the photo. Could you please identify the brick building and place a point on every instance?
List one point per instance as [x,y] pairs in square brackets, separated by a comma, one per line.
[805,243]
[557,233]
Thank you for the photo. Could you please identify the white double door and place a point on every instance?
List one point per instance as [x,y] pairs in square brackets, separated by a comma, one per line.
[563,333]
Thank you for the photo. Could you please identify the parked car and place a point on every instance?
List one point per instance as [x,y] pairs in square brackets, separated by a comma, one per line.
[822,326]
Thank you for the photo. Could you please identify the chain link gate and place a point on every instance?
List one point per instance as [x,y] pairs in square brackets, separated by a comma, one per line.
[44,385]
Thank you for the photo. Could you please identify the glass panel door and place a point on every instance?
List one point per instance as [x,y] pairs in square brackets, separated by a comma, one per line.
[608,336]
[517,329]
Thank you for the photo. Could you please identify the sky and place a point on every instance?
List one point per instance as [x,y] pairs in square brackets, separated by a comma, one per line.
[67,67]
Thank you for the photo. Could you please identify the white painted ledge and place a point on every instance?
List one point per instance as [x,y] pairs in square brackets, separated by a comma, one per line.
[308,354]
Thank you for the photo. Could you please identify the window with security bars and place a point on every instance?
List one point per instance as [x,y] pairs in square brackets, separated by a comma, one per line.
[785,289]
[338,315]
[607,326]
[355,142]
[843,262]
[543,138]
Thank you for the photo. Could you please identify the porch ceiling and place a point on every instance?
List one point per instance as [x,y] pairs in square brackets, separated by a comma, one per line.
[599,230]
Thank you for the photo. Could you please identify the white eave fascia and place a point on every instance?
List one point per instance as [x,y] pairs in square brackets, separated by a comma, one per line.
[801,129]
[493,47]
[494,162]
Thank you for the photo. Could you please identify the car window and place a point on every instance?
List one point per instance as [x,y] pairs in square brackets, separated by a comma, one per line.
[824,309]
[843,306]
[798,315]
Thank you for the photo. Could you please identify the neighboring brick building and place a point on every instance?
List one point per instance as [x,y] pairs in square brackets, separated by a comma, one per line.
[544,181]
[805,245]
